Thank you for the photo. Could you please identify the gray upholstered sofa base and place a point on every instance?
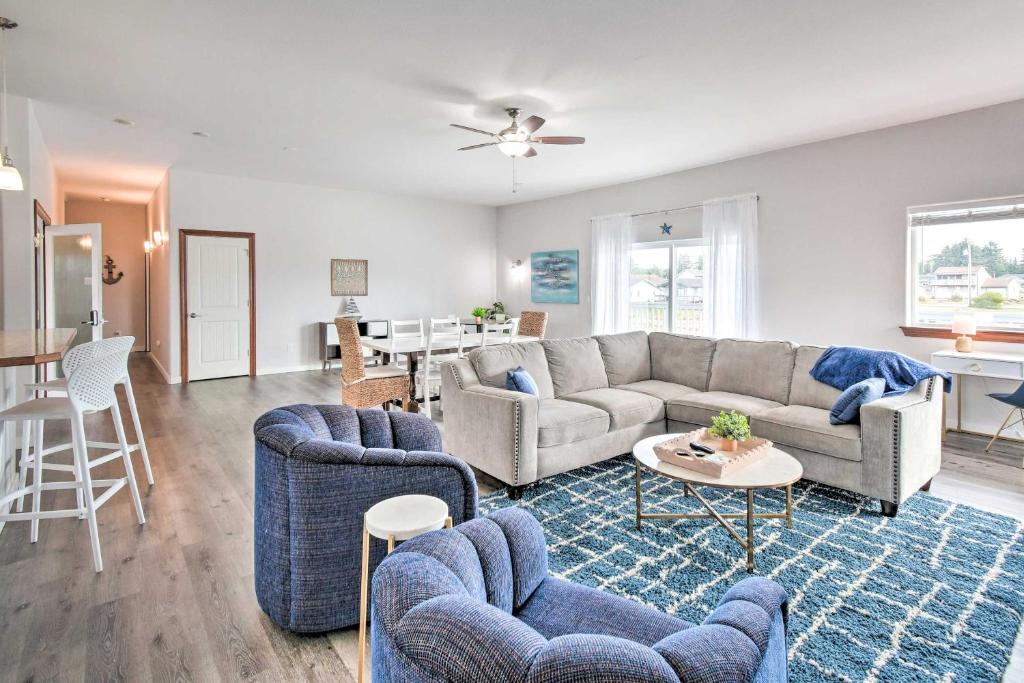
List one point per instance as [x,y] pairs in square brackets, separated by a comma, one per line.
[600,395]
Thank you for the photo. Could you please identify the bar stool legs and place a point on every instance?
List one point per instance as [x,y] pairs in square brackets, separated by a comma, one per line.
[126,457]
[82,457]
[137,424]
[37,476]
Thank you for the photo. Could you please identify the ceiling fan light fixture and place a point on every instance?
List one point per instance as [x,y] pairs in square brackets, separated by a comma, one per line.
[10,178]
[514,148]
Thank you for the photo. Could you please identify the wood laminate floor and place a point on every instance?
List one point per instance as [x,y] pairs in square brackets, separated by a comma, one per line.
[175,601]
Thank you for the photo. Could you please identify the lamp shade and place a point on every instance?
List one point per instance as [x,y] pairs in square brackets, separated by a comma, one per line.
[10,179]
[965,324]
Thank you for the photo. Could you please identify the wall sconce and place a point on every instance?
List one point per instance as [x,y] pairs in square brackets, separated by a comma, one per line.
[158,238]
[85,242]
[147,246]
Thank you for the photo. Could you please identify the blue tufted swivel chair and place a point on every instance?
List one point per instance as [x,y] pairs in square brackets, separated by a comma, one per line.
[318,469]
[475,603]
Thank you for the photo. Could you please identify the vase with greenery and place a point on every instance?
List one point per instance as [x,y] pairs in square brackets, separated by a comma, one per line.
[479,313]
[731,428]
[497,312]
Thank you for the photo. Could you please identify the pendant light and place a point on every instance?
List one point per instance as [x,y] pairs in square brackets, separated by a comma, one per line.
[10,179]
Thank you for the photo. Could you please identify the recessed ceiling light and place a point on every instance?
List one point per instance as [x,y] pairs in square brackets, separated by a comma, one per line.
[200,134]
[124,122]
[289,148]
[106,199]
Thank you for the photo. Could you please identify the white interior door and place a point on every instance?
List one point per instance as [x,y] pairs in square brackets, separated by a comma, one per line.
[74,279]
[217,306]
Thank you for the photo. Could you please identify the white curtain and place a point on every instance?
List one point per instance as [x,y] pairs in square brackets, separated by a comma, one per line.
[730,279]
[611,238]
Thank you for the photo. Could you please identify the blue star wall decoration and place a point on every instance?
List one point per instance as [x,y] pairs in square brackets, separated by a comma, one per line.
[666,229]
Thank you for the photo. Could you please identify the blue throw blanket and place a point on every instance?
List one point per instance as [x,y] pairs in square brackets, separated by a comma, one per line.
[844,366]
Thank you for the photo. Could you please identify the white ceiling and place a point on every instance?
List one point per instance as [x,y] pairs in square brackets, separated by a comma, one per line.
[365,90]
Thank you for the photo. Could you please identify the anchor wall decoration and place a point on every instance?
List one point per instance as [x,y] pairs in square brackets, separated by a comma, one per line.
[109,278]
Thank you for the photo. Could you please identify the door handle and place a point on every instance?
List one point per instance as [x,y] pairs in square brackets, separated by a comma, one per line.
[94,319]
[193,315]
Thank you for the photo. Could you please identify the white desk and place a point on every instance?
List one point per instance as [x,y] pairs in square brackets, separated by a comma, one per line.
[977,364]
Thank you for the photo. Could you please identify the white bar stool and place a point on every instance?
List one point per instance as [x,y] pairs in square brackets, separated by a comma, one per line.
[90,389]
[58,387]
[395,519]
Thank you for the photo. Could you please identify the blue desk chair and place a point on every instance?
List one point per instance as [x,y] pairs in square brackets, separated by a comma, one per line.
[1016,399]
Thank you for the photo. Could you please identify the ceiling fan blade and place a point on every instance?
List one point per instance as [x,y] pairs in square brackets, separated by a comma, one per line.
[485,144]
[531,124]
[531,153]
[471,130]
[559,140]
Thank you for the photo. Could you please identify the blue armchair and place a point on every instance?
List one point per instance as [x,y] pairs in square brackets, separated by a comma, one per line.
[318,469]
[475,603]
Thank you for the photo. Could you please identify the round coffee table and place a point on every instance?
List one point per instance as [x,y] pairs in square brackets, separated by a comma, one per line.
[775,469]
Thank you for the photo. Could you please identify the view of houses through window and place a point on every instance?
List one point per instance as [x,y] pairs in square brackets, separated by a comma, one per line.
[969,261]
[666,286]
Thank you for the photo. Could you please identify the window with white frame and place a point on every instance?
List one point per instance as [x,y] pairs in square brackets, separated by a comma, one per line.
[666,286]
[967,258]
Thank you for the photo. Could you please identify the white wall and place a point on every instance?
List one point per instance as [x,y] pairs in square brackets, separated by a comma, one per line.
[161,277]
[832,224]
[426,258]
[30,155]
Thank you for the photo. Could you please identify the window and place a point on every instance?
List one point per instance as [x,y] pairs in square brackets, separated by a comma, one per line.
[663,277]
[968,258]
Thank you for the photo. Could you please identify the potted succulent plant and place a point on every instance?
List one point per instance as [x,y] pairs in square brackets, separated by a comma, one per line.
[731,428]
[497,312]
[479,313]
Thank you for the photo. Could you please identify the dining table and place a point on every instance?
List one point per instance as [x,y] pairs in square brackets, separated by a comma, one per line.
[415,348]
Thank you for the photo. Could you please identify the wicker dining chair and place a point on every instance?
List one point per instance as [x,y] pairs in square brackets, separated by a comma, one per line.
[533,323]
[363,387]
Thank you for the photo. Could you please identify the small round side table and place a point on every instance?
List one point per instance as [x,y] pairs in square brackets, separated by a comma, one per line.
[395,519]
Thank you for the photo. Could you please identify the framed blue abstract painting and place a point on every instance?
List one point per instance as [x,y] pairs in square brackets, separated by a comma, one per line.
[555,277]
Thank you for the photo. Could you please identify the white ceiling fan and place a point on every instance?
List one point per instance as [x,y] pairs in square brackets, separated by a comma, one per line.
[518,139]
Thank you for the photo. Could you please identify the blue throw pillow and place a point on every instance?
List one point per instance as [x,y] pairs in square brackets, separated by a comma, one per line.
[846,409]
[520,380]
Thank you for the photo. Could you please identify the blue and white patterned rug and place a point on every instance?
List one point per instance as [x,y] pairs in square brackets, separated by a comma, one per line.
[936,594]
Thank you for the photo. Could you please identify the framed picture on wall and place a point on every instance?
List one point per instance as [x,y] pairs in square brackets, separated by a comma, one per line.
[348,277]
[555,277]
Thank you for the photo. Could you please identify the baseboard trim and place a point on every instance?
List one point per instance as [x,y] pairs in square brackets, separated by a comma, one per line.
[163,371]
[292,368]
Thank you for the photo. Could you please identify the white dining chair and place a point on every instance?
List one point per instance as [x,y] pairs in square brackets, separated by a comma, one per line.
[429,374]
[492,328]
[58,387]
[447,325]
[90,389]
[515,325]
[406,328]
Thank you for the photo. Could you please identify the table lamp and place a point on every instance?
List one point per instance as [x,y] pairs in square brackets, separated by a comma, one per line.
[965,326]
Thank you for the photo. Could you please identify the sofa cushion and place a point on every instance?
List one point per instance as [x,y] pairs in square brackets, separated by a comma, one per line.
[847,407]
[627,357]
[561,422]
[806,390]
[808,428]
[520,380]
[626,408]
[754,368]
[666,391]
[492,362]
[574,364]
[699,408]
[681,359]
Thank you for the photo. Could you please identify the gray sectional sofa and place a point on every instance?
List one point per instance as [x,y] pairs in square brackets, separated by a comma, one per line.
[600,395]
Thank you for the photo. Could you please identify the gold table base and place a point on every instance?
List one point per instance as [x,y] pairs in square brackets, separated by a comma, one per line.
[722,518]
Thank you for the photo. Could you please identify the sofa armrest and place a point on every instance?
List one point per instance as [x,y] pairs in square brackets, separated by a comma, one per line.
[492,429]
[902,441]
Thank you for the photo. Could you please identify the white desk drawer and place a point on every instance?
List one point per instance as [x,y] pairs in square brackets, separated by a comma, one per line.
[983,367]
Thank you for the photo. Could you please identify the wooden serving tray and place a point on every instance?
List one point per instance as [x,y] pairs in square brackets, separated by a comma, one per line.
[677,451]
